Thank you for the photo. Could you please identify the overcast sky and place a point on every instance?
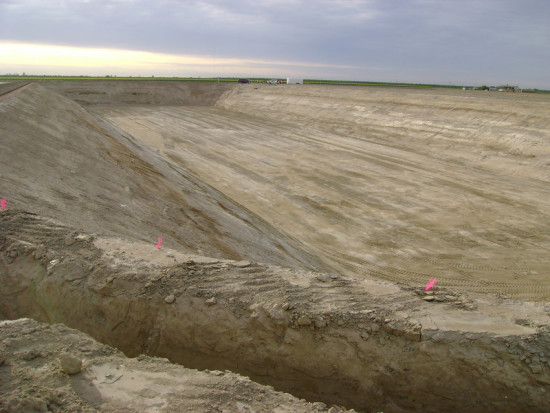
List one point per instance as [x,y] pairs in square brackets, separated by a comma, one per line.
[428,41]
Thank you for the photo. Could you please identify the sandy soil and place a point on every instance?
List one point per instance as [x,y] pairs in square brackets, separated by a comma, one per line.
[300,225]
[401,185]
[58,160]
[35,377]
[365,344]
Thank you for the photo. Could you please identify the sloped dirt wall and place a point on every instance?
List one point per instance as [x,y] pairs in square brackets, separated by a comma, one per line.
[136,92]
[279,327]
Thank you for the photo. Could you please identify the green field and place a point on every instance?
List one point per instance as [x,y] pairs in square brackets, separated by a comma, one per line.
[11,78]
[216,79]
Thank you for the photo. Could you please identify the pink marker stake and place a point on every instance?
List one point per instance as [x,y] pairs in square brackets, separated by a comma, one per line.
[159,243]
[3,202]
[430,284]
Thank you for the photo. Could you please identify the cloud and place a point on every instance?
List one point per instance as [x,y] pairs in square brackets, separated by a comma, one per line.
[416,40]
[69,60]
[234,28]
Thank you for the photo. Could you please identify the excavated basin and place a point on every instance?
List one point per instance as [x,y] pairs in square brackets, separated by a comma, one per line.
[299,225]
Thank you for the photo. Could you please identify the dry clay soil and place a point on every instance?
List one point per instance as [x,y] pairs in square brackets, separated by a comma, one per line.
[299,226]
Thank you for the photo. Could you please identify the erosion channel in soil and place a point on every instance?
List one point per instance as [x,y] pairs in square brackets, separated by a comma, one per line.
[299,227]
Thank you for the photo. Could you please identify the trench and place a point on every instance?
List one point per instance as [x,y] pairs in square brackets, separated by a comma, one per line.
[261,326]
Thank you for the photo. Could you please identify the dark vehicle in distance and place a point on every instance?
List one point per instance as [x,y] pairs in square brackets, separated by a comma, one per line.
[244,81]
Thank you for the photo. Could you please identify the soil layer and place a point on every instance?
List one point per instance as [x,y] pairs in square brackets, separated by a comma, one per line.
[364,344]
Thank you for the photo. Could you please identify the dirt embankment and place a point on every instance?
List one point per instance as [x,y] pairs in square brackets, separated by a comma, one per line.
[60,161]
[504,132]
[140,92]
[9,87]
[90,188]
[364,344]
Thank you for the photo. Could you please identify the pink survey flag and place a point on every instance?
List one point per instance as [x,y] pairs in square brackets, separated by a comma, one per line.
[430,284]
[3,202]
[159,243]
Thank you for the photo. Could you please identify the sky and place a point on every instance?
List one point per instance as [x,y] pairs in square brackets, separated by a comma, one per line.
[459,42]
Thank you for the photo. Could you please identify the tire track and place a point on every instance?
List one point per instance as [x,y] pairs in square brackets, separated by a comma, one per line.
[391,187]
[511,289]
[468,266]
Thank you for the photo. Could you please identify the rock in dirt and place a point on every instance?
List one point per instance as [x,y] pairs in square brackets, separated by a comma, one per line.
[323,277]
[69,240]
[242,264]
[70,364]
[170,299]
[30,355]
[304,321]
[536,368]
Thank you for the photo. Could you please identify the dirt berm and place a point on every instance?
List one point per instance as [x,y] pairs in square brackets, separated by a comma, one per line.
[364,344]
[227,291]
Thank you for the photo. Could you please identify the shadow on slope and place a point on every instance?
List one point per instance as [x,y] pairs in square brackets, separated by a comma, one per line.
[60,161]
